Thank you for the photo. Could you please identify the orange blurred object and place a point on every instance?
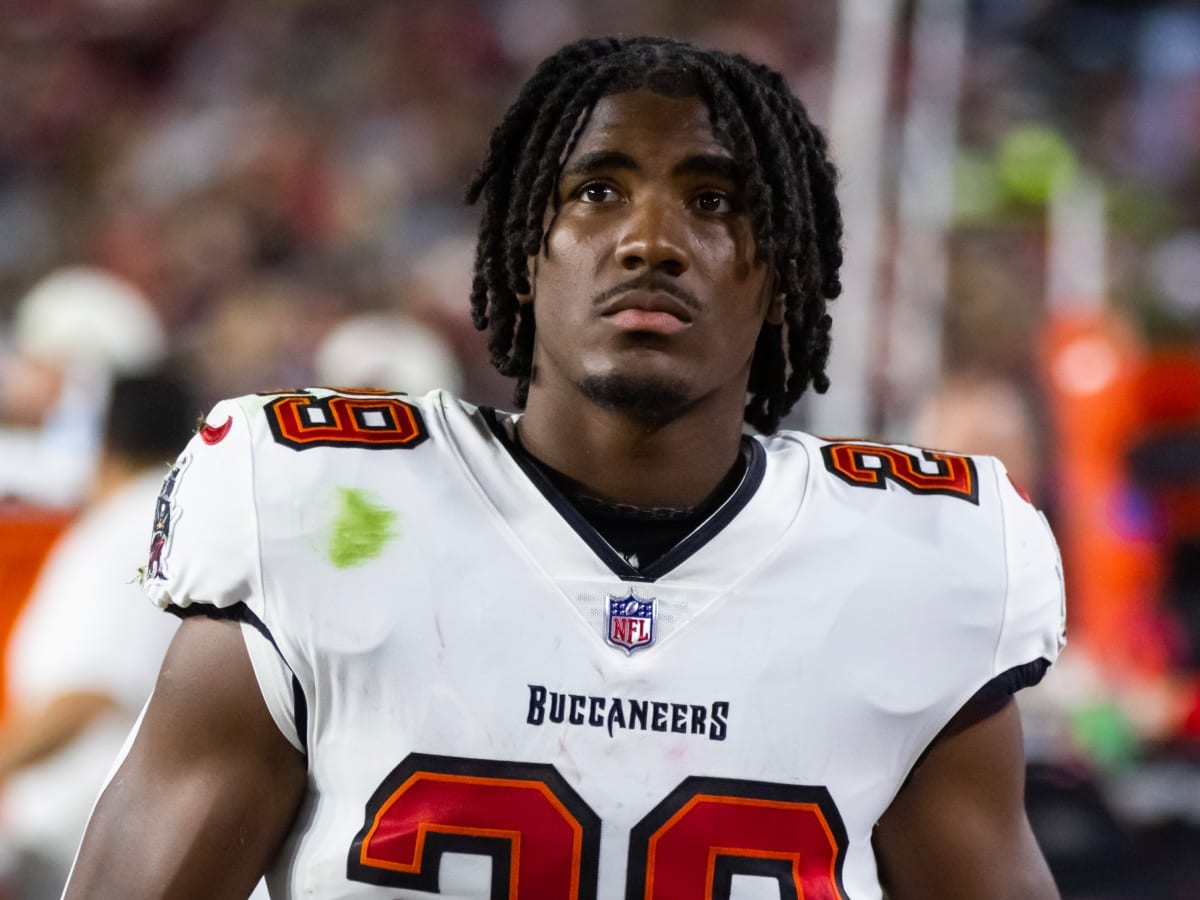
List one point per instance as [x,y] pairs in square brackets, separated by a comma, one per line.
[1108,534]
[26,535]
[1170,388]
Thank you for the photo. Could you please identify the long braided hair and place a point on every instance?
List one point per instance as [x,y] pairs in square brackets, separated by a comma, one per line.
[789,186]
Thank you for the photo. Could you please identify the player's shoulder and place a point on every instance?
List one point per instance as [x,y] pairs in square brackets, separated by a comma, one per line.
[899,475]
[322,418]
[291,454]
[965,503]
[308,429]
[963,510]
[265,473]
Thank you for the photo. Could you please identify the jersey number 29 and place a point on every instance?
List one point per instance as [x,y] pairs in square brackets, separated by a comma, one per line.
[544,840]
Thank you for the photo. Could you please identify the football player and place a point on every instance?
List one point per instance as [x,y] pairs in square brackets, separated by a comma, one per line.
[611,646]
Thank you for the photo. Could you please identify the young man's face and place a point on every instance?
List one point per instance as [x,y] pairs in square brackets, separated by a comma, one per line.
[648,299]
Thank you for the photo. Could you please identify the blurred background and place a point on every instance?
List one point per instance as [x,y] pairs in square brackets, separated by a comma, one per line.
[243,195]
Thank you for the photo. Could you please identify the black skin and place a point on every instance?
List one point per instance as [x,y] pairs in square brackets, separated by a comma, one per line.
[210,788]
[667,211]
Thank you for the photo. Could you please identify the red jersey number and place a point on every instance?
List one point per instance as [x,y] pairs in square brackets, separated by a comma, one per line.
[365,420]
[544,840]
[874,465]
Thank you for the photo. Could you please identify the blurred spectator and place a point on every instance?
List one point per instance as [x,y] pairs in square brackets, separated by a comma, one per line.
[387,350]
[72,333]
[259,334]
[87,647]
[974,412]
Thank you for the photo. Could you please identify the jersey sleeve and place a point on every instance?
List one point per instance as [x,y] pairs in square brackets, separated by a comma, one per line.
[205,544]
[1033,630]
[204,556]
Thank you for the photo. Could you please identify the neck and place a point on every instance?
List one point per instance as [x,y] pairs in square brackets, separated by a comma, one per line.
[621,460]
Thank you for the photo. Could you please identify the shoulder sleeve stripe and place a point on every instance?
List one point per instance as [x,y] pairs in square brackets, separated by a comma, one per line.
[987,701]
[1012,680]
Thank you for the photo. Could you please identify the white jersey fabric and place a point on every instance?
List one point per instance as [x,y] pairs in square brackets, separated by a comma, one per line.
[494,703]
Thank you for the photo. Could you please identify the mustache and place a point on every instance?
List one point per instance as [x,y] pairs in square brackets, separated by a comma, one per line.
[650,282]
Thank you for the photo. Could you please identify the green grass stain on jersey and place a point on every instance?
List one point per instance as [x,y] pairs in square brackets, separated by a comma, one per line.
[361,530]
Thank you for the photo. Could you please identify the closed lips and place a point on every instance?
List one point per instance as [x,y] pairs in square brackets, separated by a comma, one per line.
[650,301]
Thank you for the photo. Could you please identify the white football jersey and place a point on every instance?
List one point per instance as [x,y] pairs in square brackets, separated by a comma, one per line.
[494,703]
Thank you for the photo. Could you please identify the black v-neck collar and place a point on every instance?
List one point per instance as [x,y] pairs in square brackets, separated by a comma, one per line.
[756,466]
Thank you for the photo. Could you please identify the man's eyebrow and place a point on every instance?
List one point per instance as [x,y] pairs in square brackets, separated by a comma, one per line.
[598,160]
[712,164]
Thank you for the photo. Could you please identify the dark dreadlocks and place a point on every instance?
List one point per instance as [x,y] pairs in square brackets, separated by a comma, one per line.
[788,180]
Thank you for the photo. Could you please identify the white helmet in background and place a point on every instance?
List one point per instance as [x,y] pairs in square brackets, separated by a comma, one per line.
[71,334]
[387,350]
[81,315]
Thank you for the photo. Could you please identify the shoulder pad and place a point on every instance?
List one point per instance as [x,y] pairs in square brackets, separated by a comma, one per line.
[329,417]
[204,547]
[869,464]
[1035,601]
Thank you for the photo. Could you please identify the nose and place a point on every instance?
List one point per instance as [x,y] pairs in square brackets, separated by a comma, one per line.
[654,238]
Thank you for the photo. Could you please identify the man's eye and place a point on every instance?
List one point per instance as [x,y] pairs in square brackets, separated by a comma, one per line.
[713,202]
[597,192]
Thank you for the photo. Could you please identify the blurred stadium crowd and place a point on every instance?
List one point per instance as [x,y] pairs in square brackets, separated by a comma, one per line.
[252,195]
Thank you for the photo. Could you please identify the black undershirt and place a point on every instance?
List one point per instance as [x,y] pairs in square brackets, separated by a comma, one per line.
[640,534]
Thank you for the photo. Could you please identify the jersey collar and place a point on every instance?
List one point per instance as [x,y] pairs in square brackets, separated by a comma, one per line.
[713,525]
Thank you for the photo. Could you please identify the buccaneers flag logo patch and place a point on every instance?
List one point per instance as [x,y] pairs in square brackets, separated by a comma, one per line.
[165,514]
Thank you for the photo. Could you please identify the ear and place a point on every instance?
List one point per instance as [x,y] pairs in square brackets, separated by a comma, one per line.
[531,275]
[775,298]
[775,309]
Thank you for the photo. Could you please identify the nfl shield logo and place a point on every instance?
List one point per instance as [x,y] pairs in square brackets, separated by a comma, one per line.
[629,622]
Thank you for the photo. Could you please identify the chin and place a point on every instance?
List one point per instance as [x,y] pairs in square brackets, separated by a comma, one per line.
[654,400]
